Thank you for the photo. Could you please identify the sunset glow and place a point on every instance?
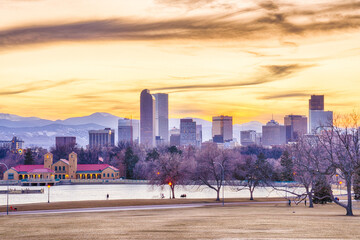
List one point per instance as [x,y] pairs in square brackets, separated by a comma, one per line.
[65,58]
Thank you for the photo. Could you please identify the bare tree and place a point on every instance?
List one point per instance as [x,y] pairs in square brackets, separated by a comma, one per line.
[253,171]
[341,143]
[167,169]
[212,165]
[307,155]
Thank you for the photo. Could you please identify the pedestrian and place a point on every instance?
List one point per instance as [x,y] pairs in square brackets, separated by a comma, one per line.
[305,202]
[289,203]
[107,196]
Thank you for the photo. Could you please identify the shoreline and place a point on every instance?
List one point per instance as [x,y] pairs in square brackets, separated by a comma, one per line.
[123,202]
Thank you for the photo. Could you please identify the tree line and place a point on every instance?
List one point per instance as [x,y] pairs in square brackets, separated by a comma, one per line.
[315,164]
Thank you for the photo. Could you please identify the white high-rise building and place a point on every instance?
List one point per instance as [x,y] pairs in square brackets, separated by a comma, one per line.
[162,116]
[136,131]
[319,120]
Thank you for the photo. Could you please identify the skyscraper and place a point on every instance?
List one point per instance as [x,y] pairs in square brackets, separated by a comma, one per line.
[222,129]
[187,132]
[136,131]
[162,116]
[318,118]
[147,118]
[273,134]
[102,138]
[316,102]
[297,125]
[248,137]
[125,130]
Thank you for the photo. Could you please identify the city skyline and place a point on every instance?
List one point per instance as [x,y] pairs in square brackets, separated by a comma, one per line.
[247,60]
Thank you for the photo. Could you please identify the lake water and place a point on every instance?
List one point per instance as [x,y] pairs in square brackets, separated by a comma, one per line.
[62,193]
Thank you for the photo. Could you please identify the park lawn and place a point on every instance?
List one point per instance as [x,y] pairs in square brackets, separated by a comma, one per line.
[122,202]
[275,221]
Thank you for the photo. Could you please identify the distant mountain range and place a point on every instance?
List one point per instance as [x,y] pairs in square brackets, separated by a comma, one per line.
[42,132]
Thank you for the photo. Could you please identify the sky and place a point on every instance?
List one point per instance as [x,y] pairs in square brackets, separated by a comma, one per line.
[248,59]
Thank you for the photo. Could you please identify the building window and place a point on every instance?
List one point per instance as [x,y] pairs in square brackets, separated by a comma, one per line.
[108,175]
[55,168]
[63,168]
[59,176]
[104,175]
[112,175]
[55,176]
[10,176]
[63,177]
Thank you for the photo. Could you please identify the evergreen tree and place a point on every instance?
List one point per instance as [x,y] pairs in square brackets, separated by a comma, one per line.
[130,161]
[152,155]
[322,191]
[174,149]
[287,167]
[3,152]
[82,158]
[356,184]
[29,159]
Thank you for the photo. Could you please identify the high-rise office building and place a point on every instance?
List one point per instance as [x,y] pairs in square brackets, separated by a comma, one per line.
[198,135]
[65,142]
[102,138]
[296,126]
[147,118]
[187,132]
[222,129]
[125,130]
[273,134]
[316,102]
[162,116]
[136,131]
[175,137]
[248,137]
[318,118]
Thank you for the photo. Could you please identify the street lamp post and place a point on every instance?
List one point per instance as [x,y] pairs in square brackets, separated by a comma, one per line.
[340,186]
[48,193]
[7,192]
[222,181]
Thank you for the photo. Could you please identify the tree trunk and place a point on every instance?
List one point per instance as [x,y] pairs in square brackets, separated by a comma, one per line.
[173,191]
[309,194]
[218,194]
[349,211]
[251,194]
[311,204]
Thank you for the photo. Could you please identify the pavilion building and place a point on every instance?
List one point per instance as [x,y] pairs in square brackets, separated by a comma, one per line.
[62,169]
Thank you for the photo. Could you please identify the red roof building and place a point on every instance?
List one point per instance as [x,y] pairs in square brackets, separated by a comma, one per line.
[62,169]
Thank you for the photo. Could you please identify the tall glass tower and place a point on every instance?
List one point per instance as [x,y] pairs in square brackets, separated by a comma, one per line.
[147,118]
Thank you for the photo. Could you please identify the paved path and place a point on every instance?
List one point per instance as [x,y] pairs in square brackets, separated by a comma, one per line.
[132,208]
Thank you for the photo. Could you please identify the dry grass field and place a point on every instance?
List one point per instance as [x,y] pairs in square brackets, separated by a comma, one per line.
[272,221]
[123,202]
